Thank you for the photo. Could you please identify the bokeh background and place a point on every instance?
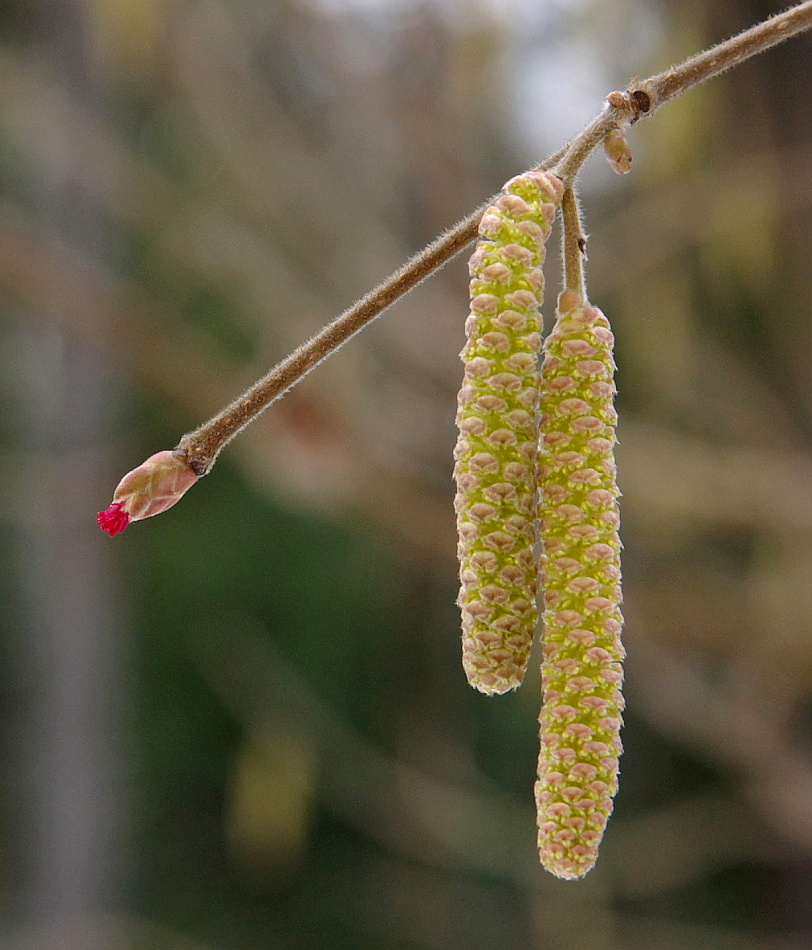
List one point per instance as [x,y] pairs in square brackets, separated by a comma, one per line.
[243,725]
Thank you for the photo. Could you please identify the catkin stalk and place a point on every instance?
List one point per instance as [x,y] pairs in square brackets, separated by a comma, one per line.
[581,668]
[497,416]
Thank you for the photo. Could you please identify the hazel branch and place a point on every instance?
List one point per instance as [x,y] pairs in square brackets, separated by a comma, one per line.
[201,447]
[642,98]
[676,80]
[198,450]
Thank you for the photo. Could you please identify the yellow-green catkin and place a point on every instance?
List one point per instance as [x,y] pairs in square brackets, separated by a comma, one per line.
[581,669]
[497,416]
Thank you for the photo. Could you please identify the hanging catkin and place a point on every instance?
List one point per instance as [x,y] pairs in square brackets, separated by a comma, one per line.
[581,669]
[498,434]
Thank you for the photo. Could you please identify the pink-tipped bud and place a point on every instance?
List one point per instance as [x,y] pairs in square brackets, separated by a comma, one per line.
[157,484]
[618,152]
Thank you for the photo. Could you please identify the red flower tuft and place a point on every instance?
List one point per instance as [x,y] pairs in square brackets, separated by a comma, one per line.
[113,520]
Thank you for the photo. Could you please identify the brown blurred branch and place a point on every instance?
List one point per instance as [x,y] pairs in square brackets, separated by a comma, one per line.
[680,697]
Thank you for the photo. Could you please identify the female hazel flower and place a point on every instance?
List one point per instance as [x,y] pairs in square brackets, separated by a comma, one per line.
[581,669]
[495,467]
[157,484]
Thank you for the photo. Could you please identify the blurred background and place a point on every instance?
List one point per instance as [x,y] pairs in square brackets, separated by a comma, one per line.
[244,724]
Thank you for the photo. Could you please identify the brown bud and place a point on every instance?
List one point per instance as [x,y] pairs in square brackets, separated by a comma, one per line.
[618,152]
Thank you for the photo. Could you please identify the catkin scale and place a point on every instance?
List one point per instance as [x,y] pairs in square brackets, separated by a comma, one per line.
[581,668]
[497,417]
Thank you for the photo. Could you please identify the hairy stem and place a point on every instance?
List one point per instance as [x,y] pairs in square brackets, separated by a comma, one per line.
[712,62]
[574,243]
[643,98]
[200,447]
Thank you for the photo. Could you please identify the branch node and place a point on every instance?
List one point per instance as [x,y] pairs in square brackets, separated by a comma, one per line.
[641,103]
[622,102]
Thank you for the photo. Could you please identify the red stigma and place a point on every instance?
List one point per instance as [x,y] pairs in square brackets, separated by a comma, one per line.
[114,519]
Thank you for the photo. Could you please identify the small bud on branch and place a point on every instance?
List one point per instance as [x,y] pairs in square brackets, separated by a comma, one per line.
[151,488]
[618,152]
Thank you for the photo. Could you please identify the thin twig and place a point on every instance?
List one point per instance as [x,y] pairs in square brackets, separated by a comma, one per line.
[712,62]
[574,243]
[579,150]
[201,446]
[641,99]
